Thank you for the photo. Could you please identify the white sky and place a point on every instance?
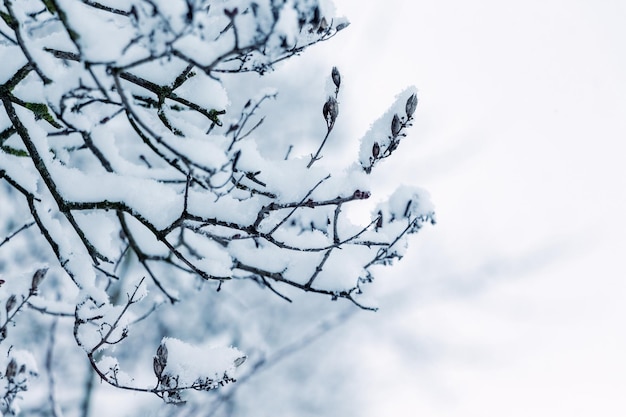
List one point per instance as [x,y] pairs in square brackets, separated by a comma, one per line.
[514,304]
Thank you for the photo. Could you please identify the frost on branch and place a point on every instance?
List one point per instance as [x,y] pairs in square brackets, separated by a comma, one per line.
[16,371]
[127,170]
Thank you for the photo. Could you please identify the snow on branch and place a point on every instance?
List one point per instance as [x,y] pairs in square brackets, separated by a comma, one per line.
[123,157]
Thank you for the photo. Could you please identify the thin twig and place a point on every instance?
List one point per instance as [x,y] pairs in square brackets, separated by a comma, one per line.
[12,235]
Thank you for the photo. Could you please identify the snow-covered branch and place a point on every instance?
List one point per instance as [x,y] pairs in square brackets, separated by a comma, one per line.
[124,158]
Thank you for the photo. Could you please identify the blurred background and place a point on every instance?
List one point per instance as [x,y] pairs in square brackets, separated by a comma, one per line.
[513,304]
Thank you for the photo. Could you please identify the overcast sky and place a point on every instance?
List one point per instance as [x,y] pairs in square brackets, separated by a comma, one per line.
[514,303]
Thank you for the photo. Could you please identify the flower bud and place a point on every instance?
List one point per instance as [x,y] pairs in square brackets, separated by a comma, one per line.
[158,367]
[11,370]
[160,360]
[336,77]
[375,150]
[38,276]
[330,111]
[162,352]
[411,104]
[11,302]
[396,125]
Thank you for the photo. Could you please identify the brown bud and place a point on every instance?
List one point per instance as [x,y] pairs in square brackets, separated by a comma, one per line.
[375,150]
[11,370]
[336,77]
[38,277]
[11,302]
[411,104]
[330,112]
[162,352]
[396,125]
[160,360]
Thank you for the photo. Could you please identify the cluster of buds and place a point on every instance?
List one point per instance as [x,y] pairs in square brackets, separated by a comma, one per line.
[398,123]
[17,374]
[330,111]
[167,383]
[361,195]
[13,306]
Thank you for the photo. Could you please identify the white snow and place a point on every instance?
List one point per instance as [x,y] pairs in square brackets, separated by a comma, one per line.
[197,363]
[380,131]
